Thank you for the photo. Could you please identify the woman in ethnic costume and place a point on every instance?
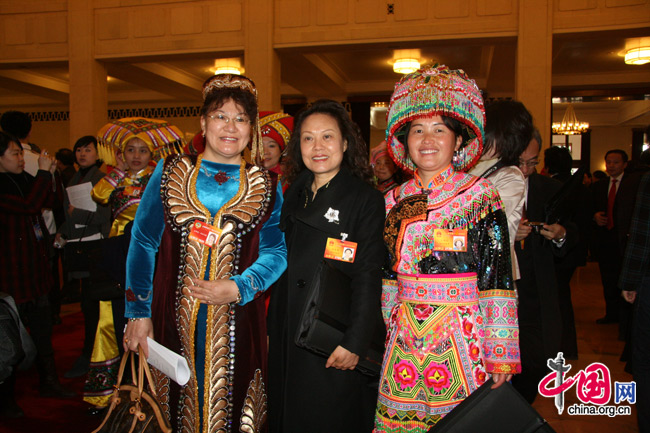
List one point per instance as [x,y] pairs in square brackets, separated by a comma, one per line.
[450,309]
[387,174]
[204,299]
[330,196]
[276,131]
[136,142]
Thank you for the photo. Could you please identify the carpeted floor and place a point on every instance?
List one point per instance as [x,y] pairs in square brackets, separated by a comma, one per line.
[53,415]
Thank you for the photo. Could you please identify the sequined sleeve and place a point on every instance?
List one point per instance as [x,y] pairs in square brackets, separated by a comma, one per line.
[496,294]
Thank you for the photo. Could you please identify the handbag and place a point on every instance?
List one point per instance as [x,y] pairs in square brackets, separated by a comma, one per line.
[325,319]
[18,350]
[486,410]
[132,408]
[76,255]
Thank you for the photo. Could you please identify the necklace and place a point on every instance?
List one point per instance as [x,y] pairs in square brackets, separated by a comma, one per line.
[221,177]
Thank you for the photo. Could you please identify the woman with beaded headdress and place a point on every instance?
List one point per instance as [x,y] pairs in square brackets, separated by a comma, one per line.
[448,303]
[203,300]
[276,131]
[387,175]
[128,145]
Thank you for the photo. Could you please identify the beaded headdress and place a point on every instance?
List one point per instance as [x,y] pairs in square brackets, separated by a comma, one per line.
[437,91]
[377,152]
[231,81]
[161,137]
[277,126]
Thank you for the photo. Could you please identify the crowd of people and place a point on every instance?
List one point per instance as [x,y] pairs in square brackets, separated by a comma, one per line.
[445,229]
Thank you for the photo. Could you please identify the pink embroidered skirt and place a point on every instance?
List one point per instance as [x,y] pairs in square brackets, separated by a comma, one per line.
[434,354]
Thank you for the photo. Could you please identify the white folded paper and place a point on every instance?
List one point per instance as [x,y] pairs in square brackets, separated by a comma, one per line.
[79,196]
[169,362]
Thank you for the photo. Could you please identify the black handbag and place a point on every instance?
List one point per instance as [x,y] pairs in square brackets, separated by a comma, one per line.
[325,319]
[132,408]
[76,255]
[17,350]
[486,410]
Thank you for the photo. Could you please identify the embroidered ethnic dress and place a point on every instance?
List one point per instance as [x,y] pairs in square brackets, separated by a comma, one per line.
[451,316]
[123,193]
[224,345]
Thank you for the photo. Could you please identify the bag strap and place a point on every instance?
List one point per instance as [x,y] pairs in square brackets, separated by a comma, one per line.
[144,365]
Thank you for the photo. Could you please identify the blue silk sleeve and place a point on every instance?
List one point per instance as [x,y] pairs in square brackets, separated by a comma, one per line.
[146,234]
[272,258]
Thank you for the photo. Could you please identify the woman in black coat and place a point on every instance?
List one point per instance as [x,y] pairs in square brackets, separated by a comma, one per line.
[330,197]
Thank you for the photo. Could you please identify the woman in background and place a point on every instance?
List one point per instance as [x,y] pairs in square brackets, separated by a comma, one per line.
[79,225]
[276,132]
[24,266]
[387,174]
[122,190]
[508,130]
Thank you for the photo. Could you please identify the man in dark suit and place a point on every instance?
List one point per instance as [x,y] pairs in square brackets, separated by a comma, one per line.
[613,200]
[576,206]
[635,283]
[540,325]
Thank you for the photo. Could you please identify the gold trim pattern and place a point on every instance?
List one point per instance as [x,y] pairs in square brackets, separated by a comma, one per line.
[253,414]
[246,207]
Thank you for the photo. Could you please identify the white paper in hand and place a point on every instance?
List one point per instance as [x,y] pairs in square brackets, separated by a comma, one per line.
[169,362]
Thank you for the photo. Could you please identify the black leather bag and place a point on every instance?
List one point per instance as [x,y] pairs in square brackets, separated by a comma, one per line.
[326,317]
[76,255]
[132,408]
[501,410]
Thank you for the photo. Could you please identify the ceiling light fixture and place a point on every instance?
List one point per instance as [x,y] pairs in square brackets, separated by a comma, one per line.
[406,66]
[228,66]
[570,124]
[227,70]
[637,56]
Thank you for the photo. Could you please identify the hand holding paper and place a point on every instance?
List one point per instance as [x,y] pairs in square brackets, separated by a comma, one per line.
[168,362]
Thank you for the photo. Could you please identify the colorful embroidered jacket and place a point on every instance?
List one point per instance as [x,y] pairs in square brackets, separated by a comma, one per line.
[457,201]
[224,345]
[123,194]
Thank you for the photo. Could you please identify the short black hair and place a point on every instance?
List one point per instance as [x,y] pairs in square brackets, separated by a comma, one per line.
[16,123]
[620,152]
[84,141]
[65,155]
[508,129]
[558,160]
[5,142]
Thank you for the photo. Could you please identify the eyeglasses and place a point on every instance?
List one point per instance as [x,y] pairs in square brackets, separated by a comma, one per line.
[530,163]
[221,119]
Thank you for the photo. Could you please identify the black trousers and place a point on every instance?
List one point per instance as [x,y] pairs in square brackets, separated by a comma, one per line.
[37,317]
[610,261]
[641,355]
[569,342]
[90,310]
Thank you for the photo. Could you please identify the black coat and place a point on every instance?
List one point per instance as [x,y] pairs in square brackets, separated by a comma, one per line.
[537,289]
[304,396]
